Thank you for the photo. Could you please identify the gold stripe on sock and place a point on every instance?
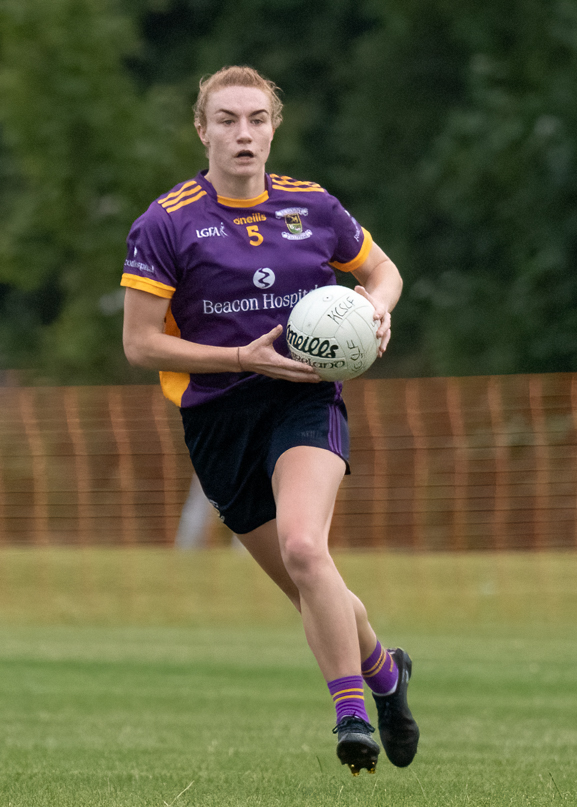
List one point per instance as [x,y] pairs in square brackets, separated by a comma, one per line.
[344,693]
[377,667]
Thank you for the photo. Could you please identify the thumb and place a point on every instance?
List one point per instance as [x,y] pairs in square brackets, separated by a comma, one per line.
[274,334]
[363,292]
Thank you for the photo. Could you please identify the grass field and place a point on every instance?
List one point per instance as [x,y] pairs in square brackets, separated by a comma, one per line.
[161,678]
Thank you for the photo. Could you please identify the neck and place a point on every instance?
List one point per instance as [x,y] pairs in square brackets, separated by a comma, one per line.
[236,187]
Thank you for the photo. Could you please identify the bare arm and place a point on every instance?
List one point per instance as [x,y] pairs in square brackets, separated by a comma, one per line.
[381,284]
[146,345]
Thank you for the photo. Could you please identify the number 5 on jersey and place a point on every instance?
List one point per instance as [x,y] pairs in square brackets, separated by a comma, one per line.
[254,237]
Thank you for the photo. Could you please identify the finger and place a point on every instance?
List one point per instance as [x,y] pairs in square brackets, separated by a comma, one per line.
[302,378]
[384,342]
[300,367]
[384,326]
[302,373]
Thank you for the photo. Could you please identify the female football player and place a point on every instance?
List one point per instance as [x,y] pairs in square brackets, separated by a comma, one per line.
[213,270]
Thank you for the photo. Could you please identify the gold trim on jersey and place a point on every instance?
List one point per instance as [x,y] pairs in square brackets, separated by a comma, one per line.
[147,284]
[186,202]
[186,197]
[360,258]
[257,200]
[191,186]
[283,183]
[173,385]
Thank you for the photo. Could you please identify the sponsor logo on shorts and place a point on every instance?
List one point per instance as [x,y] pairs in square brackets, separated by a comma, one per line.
[217,508]
[293,221]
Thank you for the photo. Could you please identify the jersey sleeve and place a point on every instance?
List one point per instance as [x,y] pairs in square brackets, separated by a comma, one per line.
[150,264]
[353,242]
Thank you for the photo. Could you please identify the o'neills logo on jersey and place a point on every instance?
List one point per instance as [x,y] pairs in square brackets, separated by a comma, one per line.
[294,225]
[250,219]
[313,346]
[210,232]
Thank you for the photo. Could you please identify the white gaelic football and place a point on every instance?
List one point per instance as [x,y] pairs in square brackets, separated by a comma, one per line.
[332,329]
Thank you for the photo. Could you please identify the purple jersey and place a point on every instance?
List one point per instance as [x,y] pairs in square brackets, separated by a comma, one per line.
[234,268]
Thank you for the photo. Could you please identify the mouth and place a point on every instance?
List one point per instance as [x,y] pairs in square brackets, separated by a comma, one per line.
[245,153]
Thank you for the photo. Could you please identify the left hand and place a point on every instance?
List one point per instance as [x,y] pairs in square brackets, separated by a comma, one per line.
[381,313]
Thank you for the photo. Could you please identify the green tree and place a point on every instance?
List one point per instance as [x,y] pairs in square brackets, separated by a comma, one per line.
[403,77]
[448,128]
[502,296]
[84,154]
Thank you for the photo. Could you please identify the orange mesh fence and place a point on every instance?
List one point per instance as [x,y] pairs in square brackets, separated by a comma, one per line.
[90,465]
[437,464]
[461,463]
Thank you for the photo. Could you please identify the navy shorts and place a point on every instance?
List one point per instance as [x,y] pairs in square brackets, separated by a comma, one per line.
[235,442]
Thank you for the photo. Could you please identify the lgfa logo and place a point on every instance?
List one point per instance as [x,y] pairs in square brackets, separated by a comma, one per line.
[209,232]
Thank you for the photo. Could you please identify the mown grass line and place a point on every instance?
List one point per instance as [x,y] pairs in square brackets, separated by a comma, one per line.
[107,709]
[163,586]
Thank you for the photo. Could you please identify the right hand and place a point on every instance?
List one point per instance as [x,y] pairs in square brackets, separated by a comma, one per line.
[261,357]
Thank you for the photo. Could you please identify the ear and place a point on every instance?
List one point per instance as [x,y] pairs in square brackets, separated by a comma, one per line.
[202,134]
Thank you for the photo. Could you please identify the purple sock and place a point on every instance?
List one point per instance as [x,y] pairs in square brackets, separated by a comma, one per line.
[349,697]
[380,671]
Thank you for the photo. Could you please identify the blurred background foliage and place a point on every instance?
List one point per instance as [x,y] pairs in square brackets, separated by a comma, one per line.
[449,129]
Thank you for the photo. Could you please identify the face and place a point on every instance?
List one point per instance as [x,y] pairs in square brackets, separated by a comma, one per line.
[238,134]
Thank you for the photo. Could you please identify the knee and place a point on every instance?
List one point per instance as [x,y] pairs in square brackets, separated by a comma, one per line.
[304,558]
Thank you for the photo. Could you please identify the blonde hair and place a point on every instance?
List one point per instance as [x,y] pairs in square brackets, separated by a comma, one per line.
[237,76]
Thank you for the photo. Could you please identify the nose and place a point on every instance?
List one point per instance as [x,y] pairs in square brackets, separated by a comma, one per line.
[244,133]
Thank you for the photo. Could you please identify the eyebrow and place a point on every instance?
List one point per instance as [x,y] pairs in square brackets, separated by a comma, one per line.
[234,114]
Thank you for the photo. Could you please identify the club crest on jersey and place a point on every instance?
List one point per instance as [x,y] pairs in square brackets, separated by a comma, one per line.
[293,221]
[210,232]
[294,224]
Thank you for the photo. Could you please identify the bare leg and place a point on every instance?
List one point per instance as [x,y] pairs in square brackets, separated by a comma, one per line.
[297,560]
[263,545]
[305,483]
[367,636]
